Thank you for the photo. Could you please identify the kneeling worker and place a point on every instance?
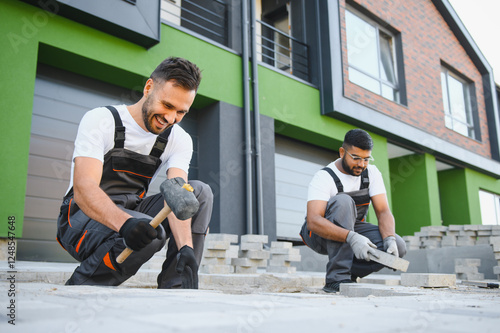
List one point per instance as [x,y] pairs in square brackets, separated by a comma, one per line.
[338,199]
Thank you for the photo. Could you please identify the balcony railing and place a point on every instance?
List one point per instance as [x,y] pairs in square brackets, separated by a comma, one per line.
[205,17]
[282,51]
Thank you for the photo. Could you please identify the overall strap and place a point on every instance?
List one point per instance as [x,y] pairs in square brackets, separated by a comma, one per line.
[119,128]
[365,181]
[338,183]
[160,143]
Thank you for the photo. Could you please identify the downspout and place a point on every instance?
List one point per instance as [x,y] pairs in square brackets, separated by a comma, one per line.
[255,102]
[248,127]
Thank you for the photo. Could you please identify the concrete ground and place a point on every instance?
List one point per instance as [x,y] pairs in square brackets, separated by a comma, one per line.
[239,303]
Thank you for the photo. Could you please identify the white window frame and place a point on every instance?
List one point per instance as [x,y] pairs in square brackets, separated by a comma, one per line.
[381,82]
[450,120]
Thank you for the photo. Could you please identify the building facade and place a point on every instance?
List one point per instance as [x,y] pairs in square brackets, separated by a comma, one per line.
[279,90]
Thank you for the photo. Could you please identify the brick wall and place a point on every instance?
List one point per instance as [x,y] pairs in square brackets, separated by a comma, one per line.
[427,41]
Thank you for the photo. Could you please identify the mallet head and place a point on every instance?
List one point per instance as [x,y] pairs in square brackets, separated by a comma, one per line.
[179,197]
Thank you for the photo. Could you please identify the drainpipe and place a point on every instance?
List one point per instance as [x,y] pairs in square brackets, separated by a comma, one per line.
[255,101]
[248,121]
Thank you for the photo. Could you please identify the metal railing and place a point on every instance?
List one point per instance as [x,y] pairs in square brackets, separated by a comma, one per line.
[282,51]
[205,17]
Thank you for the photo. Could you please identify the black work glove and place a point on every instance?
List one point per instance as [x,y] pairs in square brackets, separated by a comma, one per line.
[137,233]
[187,267]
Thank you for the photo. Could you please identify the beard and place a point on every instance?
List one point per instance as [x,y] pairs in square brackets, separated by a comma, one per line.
[354,171]
[147,117]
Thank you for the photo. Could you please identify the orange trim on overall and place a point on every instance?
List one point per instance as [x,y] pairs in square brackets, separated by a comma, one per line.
[142,194]
[363,204]
[107,261]
[57,239]
[132,173]
[69,209]
[80,242]
[303,241]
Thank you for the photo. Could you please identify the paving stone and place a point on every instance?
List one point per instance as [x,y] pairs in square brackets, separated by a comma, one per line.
[287,257]
[251,246]
[254,239]
[459,269]
[495,240]
[279,262]
[281,245]
[455,227]
[481,240]
[472,227]
[467,233]
[215,253]
[285,251]
[484,233]
[222,237]
[247,262]
[254,254]
[468,262]
[281,269]
[428,280]
[386,280]
[217,245]
[390,261]
[245,270]
[448,241]
[470,276]
[496,269]
[215,261]
[366,290]
[216,269]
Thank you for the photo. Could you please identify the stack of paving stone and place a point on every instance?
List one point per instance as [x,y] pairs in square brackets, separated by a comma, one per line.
[251,254]
[218,253]
[282,254]
[412,242]
[431,236]
[467,269]
[467,236]
[495,243]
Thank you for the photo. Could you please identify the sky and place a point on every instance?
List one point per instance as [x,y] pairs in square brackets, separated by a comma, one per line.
[481,18]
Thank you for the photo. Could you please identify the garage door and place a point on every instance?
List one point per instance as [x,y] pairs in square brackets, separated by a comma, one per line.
[296,163]
[60,101]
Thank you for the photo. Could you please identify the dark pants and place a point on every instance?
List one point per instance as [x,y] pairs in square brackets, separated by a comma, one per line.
[342,264]
[96,246]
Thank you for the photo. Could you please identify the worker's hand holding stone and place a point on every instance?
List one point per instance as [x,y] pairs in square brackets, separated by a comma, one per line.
[137,233]
[361,246]
[390,245]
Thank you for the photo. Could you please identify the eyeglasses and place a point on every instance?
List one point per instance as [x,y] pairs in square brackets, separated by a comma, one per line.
[358,159]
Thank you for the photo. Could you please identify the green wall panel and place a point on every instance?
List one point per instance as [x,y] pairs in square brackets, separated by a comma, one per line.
[415,195]
[454,199]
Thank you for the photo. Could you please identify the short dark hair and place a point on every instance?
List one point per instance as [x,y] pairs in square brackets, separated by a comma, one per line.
[358,138]
[186,74]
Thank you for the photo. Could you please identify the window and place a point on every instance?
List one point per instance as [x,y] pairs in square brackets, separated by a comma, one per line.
[490,208]
[457,103]
[371,57]
[280,36]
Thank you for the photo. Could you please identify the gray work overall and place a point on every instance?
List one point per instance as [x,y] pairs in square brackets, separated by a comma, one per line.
[347,210]
[125,179]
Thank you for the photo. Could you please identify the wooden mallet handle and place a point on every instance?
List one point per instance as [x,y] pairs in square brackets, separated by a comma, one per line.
[162,215]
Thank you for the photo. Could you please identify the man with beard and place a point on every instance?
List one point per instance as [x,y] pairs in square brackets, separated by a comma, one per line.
[118,152]
[338,199]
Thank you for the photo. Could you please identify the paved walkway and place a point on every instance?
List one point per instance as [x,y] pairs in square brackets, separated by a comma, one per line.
[242,306]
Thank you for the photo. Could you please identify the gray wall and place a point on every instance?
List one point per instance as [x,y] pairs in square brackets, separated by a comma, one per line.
[221,160]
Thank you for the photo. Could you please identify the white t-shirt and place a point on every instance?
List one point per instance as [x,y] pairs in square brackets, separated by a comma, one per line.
[322,186]
[96,136]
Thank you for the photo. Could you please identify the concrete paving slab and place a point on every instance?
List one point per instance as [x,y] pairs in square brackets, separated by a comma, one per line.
[390,261]
[428,280]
